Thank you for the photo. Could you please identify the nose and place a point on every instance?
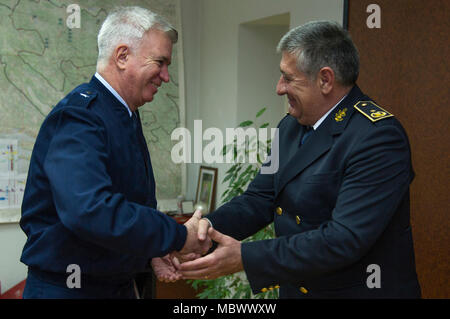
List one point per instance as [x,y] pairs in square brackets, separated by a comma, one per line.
[281,87]
[164,74]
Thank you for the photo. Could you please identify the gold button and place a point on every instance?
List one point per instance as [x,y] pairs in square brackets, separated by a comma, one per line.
[276,287]
[304,290]
[271,288]
[297,219]
[264,290]
[279,211]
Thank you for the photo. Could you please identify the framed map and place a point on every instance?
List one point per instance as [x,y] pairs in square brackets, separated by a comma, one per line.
[44,53]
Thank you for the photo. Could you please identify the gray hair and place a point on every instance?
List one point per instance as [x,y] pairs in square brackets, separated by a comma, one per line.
[127,25]
[323,43]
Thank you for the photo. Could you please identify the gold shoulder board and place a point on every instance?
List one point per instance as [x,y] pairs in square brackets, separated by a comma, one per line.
[372,111]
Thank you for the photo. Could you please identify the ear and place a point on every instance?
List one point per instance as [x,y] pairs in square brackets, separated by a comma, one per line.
[326,79]
[121,56]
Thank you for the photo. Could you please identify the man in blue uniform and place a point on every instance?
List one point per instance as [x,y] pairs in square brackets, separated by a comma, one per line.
[89,208]
[340,198]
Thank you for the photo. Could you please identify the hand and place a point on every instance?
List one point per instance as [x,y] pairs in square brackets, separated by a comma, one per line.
[164,269]
[225,260]
[193,247]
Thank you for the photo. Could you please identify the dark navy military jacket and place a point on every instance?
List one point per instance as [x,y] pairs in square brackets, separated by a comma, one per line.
[340,207]
[90,194]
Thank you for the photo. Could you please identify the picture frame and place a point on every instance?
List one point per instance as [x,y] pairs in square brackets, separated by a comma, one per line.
[206,188]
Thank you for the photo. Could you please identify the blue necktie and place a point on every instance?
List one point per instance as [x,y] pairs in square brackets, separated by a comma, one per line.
[134,119]
[138,131]
[306,134]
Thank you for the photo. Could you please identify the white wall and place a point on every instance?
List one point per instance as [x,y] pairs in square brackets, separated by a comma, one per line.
[213,61]
[12,271]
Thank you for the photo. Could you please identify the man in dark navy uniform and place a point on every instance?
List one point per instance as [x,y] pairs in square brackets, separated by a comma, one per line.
[340,198]
[89,207]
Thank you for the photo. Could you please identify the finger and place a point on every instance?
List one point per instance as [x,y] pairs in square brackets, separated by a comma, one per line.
[188,257]
[203,274]
[217,236]
[176,263]
[203,226]
[205,246]
[197,214]
[199,263]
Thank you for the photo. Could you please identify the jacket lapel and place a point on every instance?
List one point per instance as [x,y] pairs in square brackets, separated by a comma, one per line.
[320,141]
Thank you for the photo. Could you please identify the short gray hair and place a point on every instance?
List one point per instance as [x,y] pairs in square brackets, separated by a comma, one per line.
[319,44]
[127,25]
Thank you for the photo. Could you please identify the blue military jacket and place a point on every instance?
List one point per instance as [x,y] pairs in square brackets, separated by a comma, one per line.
[90,194]
[340,205]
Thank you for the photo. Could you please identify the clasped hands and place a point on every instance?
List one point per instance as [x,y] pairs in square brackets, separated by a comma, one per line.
[192,263]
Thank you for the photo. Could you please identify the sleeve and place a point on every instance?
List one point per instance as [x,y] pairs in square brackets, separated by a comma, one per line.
[246,214]
[76,166]
[376,177]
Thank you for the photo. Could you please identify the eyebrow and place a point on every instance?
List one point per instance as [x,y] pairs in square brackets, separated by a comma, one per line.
[165,59]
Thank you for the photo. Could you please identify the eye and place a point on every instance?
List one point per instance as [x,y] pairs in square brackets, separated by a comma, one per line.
[286,78]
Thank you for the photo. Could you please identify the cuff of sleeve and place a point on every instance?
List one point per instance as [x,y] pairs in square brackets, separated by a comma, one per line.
[249,267]
[210,224]
[180,239]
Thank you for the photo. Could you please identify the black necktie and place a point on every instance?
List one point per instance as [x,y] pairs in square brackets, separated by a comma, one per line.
[306,134]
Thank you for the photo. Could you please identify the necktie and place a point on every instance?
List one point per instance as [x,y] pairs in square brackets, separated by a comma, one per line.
[306,134]
[141,142]
[134,119]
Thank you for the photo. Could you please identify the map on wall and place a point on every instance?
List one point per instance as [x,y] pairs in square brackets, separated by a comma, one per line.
[45,52]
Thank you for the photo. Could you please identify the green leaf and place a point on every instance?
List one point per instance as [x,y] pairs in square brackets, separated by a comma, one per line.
[232,168]
[245,123]
[264,125]
[227,178]
[260,112]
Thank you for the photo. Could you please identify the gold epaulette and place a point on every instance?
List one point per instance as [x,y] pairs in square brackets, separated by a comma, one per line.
[372,111]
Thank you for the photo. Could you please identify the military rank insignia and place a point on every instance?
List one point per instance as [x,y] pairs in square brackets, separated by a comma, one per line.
[372,111]
[340,115]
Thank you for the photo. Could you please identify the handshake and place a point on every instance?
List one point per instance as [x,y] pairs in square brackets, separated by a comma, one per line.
[192,263]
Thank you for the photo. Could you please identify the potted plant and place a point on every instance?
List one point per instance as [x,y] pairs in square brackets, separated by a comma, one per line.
[237,178]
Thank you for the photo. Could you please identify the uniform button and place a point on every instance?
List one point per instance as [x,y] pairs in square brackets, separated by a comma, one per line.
[279,211]
[264,290]
[297,220]
[304,290]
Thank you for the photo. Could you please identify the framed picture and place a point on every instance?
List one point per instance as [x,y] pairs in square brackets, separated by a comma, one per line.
[206,188]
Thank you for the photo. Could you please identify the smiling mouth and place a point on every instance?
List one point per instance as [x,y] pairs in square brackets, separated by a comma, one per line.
[291,102]
[154,86]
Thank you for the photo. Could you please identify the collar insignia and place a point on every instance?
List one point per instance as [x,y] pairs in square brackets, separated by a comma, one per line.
[340,115]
